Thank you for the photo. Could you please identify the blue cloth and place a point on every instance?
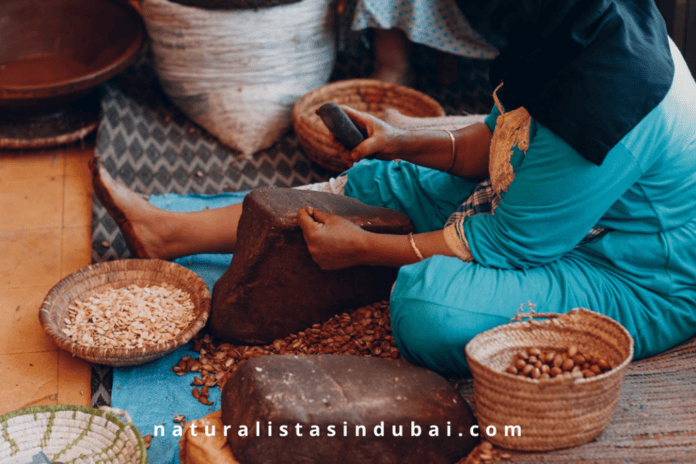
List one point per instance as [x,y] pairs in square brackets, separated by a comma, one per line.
[641,272]
[152,394]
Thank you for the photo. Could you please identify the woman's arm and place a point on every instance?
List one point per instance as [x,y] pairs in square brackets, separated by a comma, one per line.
[428,148]
[337,243]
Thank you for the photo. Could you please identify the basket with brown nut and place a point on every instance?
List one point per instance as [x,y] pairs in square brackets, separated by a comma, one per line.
[126,312]
[554,380]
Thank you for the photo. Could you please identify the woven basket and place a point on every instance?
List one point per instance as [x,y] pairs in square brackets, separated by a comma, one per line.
[115,274]
[368,95]
[68,433]
[556,413]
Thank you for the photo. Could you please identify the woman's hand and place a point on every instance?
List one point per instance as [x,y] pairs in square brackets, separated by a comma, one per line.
[383,141]
[334,242]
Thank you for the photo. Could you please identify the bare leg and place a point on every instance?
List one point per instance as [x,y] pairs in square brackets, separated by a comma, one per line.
[151,232]
[392,57]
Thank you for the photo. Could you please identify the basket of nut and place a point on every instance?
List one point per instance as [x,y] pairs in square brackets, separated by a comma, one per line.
[126,312]
[550,382]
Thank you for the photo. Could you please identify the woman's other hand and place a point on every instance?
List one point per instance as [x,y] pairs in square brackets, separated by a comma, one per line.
[334,242]
[383,140]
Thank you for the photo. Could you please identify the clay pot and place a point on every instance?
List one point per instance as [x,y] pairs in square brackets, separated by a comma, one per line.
[52,52]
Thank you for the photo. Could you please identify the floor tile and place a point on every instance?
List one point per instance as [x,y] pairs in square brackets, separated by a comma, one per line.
[20,331]
[77,158]
[30,257]
[76,249]
[77,203]
[31,164]
[31,202]
[74,376]
[29,379]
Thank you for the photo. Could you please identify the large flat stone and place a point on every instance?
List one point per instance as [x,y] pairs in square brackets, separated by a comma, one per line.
[273,287]
[309,394]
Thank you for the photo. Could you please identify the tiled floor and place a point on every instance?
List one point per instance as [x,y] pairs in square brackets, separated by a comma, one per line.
[45,212]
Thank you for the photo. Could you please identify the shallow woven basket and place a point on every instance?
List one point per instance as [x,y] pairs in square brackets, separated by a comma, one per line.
[555,413]
[368,95]
[68,433]
[116,274]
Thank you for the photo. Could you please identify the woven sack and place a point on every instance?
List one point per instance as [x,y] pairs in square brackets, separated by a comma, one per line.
[93,279]
[373,96]
[555,413]
[69,433]
[237,73]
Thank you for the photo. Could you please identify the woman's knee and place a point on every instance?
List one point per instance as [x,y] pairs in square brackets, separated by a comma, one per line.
[425,339]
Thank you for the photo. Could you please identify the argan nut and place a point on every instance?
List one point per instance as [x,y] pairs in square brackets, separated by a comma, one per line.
[527,369]
[577,374]
[511,370]
[544,376]
[557,361]
[579,359]
[523,355]
[601,362]
[519,364]
[538,364]
[555,371]
[549,356]
[596,369]
[535,373]
[567,364]
[545,368]
[534,352]
[196,393]
[588,373]
[572,350]
[532,359]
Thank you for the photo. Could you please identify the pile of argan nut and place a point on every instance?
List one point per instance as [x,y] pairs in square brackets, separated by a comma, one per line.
[544,364]
[364,332]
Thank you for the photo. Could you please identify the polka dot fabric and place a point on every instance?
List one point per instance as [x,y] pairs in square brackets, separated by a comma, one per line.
[435,23]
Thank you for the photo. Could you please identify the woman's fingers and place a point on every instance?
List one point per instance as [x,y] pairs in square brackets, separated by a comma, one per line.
[306,221]
[361,119]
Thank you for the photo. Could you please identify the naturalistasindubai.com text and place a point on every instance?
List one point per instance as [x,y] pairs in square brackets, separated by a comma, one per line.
[302,430]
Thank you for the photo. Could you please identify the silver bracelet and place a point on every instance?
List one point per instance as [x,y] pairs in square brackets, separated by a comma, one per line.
[415,248]
[454,151]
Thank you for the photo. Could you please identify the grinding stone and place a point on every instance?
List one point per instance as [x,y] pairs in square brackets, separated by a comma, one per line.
[273,288]
[318,391]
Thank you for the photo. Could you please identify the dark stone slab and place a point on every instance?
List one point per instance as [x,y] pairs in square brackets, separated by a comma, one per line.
[340,125]
[273,287]
[319,391]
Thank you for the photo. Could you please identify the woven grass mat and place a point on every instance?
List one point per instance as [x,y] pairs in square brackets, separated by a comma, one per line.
[655,420]
[151,147]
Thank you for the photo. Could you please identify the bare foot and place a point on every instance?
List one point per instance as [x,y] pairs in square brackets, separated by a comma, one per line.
[142,224]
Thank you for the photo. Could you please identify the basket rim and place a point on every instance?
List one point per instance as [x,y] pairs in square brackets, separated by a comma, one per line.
[327,89]
[33,410]
[480,338]
[128,356]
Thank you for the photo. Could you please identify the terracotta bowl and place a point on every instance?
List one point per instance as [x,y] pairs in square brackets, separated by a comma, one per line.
[54,51]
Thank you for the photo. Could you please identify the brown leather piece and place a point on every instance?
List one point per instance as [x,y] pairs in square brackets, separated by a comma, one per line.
[318,391]
[273,287]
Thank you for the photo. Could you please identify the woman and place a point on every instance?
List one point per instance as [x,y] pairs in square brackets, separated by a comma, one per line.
[591,202]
